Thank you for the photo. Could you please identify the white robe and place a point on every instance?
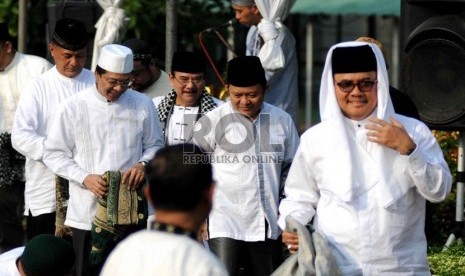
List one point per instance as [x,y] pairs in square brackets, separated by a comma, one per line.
[36,109]
[22,69]
[148,253]
[367,200]
[91,136]
[247,188]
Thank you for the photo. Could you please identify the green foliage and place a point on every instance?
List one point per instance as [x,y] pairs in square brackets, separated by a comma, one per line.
[448,263]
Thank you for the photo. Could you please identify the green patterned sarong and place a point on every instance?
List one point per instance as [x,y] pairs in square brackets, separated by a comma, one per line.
[117,211]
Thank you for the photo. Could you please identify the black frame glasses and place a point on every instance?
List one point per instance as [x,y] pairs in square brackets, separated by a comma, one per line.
[195,81]
[115,83]
[363,85]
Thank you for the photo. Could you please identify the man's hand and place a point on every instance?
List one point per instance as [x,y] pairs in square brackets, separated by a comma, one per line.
[134,176]
[291,240]
[392,135]
[95,184]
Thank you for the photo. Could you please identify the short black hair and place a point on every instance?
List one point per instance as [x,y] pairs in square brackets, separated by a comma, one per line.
[178,177]
[100,70]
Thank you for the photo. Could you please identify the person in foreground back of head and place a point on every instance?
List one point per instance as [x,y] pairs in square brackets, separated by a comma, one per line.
[43,255]
[363,174]
[181,189]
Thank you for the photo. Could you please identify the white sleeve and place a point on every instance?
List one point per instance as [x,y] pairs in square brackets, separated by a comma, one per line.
[59,146]
[427,167]
[152,139]
[25,136]
[301,190]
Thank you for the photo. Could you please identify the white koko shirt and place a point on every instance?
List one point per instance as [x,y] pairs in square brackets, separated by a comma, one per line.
[91,136]
[248,182]
[36,109]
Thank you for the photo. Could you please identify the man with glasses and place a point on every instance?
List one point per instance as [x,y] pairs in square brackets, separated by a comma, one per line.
[188,101]
[107,127]
[363,174]
[36,109]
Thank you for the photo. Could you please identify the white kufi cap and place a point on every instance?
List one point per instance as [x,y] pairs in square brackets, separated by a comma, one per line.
[116,59]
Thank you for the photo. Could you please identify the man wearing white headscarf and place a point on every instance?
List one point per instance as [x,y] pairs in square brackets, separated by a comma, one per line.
[107,127]
[363,174]
[278,58]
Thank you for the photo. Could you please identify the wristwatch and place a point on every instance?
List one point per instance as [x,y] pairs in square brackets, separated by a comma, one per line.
[144,163]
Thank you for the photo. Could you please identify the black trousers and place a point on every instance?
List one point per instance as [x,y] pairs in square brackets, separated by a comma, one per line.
[41,224]
[11,215]
[82,247]
[248,258]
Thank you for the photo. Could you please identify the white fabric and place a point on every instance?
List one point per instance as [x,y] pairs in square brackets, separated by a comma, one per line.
[116,59]
[373,221]
[273,12]
[22,69]
[148,253]
[8,262]
[36,109]
[91,136]
[247,191]
[180,122]
[159,88]
[282,84]
[107,26]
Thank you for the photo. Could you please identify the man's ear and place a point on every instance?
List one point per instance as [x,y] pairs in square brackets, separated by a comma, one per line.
[256,11]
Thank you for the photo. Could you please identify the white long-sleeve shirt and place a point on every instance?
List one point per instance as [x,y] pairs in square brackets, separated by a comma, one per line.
[22,70]
[91,136]
[36,109]
[248,183]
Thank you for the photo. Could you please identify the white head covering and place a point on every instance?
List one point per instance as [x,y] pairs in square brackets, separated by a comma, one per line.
[345,173]
[116,59]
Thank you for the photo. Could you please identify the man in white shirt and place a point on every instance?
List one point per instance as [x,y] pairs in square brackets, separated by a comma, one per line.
[147,78]
[363,174]
[283,91]
[106,127]
[16,71]
[188,101]
[252,145]
[36,109]
[181,192]
[45,254]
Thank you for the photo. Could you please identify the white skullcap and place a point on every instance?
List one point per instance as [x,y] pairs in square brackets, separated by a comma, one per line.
[116,59]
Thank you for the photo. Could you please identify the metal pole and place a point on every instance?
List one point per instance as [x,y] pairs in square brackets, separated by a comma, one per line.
[459,207]
[22,26]
[308,82]
[171,33]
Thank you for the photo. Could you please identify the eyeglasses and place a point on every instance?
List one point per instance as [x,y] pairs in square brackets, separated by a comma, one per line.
[363,86]
[115,83]
[185,81]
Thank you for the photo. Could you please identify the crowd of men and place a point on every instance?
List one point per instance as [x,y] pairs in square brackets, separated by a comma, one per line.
[223,180]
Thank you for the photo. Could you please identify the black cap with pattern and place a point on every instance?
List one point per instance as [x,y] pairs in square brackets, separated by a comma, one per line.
[70,34]
[140,48]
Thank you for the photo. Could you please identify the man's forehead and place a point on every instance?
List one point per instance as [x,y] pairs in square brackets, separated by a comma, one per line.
[355,76]
[188,75]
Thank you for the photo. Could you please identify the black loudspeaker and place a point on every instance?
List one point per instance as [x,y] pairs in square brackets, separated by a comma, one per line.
[433,60]
[86,11]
